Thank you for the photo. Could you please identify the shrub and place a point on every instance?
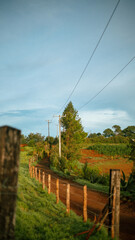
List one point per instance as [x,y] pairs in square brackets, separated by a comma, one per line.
[91,174]
[62,163]
[128,185]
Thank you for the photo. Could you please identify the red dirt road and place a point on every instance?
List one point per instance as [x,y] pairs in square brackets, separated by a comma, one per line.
[96,202]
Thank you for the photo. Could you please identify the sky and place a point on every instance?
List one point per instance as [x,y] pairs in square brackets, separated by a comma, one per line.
[44,48]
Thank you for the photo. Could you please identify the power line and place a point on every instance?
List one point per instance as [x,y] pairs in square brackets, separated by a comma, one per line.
[90,56]
[107,84]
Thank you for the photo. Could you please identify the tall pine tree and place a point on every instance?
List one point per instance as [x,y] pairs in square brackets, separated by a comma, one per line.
[73,134]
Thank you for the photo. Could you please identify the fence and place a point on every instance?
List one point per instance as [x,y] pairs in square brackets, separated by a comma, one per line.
[76,197]
[9,165]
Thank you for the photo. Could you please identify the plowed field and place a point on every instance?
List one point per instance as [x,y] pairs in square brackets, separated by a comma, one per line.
[105,163]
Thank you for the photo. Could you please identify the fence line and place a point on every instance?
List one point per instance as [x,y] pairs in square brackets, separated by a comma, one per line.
[113,228]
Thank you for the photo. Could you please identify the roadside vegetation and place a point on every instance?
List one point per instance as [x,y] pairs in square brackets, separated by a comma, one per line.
[115,144]
[39,217]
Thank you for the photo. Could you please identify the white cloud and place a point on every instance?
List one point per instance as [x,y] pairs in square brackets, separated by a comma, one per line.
[98,120]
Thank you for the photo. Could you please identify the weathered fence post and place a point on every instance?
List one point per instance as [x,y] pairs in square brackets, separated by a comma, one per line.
[39,176]
[85,203]
[43,181]
[114,203]
[36,173]
[68,199]
[33,171]
[9,165]
[57,190]
[49,183]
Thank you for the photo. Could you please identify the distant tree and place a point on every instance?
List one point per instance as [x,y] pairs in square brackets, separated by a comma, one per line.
[33,138]
[23,139]
[99,134]
[50,140]
[132,155]
[117,129]
[73,133]
[92,135]
[129,132]
[108,132]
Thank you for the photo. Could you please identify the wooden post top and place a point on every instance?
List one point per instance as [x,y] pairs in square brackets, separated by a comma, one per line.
[9,127]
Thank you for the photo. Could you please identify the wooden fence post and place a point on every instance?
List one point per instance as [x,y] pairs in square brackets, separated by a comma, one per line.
[36,173]
[85,203]
[57,190]
[43,181]
[49,183]
[68,198]
[114,203]
[39,176]
[31,171]
[9,165]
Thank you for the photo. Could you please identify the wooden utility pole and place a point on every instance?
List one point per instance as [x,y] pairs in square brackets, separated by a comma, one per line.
[9,166]
[48,128]
[114,203]
[60,133]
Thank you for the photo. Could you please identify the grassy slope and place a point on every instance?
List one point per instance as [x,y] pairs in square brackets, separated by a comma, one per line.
[38,217]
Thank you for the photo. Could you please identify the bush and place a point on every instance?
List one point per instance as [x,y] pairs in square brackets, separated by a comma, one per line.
[90,174]
[62,163]
[94,176]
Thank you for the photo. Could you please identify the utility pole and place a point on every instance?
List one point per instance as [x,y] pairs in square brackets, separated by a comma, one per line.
[60,133]
[48,128]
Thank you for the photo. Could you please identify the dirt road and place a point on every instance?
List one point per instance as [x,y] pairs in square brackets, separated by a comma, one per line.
[96,202]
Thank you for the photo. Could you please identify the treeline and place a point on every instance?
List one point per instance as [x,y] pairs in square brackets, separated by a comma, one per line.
[114,135]
[35,138]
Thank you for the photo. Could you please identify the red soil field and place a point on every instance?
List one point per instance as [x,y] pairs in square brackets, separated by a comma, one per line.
[105,163]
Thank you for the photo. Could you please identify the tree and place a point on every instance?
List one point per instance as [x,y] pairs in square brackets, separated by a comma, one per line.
[108,132]
[73,133]
[92,135]
[23,139]
[129,132]
[33,138]
[117,129]
[132,155]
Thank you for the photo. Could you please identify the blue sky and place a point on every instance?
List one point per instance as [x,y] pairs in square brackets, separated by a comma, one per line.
[44,47]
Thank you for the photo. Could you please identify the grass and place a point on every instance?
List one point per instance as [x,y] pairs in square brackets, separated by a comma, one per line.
[92,186]
[39,217]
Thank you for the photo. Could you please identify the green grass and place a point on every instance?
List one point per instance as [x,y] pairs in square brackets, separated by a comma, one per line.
[93,186]
[39,217]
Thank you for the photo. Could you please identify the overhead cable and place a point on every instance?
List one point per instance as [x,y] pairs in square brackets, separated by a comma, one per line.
[90,58]
[106,84]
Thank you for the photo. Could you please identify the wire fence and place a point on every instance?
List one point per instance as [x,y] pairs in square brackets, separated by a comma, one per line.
[74,197]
